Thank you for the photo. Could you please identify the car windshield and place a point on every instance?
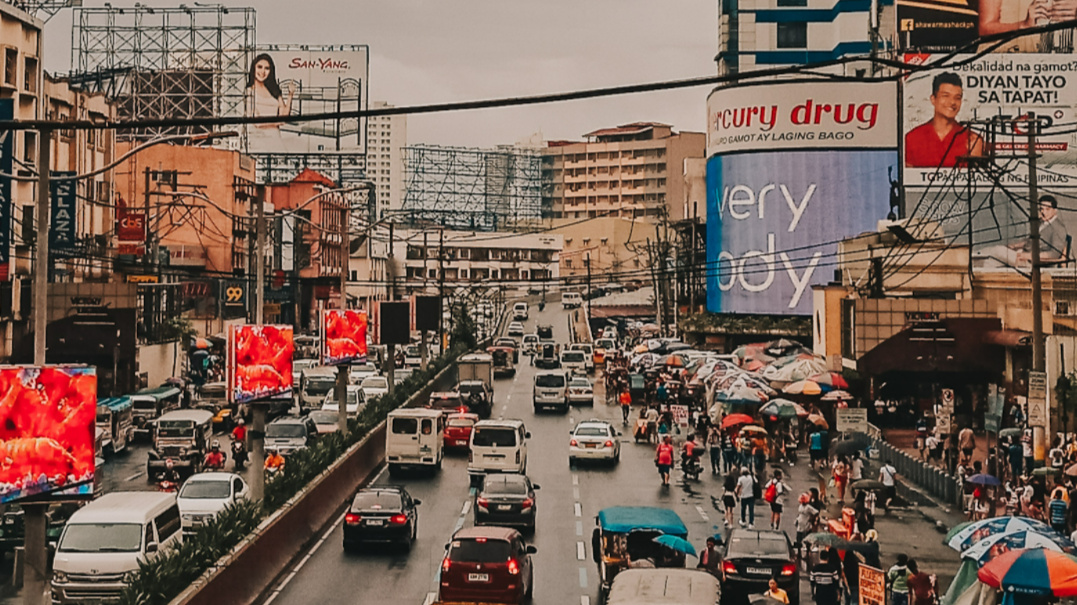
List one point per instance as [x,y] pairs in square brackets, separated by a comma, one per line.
[605,344]
[319,385]
[101,537]
[320,417]
[461,422]
[531,338]
[213,392]
[507,485]
[592,431]
[476,551]
[757,545]
[493,437]
[375,382]
[376,501]
[580,383]
[572,356]
[286,430]
[175,428]
[549,380]
[215,490]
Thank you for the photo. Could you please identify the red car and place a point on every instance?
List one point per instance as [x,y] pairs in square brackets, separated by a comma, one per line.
[487,565]
[457,431]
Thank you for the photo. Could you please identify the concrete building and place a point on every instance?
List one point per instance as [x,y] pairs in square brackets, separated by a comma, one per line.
[632,170]
[612,244]
[386,137]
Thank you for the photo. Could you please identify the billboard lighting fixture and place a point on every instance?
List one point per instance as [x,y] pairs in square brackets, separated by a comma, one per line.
[903,234]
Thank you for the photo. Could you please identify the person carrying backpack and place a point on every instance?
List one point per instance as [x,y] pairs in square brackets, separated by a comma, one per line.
[774,493]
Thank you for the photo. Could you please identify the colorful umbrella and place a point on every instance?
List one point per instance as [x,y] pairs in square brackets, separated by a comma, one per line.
[783,408]
[674,361]
[838,395]
[741,396]
[962,537]
[830,379]
[1034,571]
[803,387]
[983,479]
[989,548]
[735,419]
[818,420]
[825,538]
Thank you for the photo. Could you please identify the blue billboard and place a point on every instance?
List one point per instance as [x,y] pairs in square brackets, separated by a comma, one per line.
[774,220]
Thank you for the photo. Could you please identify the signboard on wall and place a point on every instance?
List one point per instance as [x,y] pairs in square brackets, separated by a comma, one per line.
[945,25]
[1037,398]
[852,420]
[62,223]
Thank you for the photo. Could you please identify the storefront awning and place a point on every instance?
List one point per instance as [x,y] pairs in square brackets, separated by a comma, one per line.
[1008,338]
[948,346]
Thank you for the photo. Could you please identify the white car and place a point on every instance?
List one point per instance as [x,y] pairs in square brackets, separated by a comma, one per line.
[519,311]
[588,354]
[594,440]
[402,374]
[356,401]
[574,361]
[515,329]
[374,386]
[205,495]
[529,344]
[580,391]
[358,372]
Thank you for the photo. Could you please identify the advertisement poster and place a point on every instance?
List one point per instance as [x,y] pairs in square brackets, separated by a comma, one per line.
[62,231]
[872,585]
[344,337]
[259,362]
[292,80]
[949,25]
[47,437]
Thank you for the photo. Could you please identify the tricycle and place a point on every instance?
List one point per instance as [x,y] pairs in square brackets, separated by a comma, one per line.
[625,536]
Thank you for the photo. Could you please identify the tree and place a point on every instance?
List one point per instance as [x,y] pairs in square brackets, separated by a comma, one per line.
[463,329]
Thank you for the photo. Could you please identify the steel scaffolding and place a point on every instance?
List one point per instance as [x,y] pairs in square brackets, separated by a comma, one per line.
[476,189]
[42,9]
[183,63]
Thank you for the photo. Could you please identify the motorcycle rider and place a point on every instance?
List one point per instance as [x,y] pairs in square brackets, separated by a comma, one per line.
[240,432]
[690,456]
[170,474]
[214,457]
[274,461]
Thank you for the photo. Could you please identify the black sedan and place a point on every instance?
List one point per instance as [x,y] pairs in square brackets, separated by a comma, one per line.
[507,500]
[382,514]
[751,558]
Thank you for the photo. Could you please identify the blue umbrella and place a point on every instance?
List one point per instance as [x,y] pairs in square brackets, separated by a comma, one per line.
[983,479]
[993,546]
[676,543]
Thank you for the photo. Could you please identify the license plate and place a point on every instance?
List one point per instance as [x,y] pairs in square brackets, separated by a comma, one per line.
[759,571]
[375,522]
[591,445]
[504,507]
[478,577]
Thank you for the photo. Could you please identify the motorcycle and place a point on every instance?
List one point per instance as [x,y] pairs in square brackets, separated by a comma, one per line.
[239,455]
[691,467]
[273,471]
[169,486]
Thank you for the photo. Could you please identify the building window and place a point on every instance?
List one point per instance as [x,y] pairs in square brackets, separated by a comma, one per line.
[792,35]
[29,75]
[792,2]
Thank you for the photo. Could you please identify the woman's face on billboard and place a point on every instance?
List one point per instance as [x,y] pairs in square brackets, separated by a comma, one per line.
[261,70]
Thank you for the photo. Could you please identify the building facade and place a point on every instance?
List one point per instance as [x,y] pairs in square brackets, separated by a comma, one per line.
[632,170]
[386,137]
[613,245]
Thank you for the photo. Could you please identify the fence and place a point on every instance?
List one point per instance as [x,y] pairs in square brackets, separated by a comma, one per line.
[936,482]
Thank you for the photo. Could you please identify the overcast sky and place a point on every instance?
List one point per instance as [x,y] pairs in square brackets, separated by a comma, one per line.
[426,51]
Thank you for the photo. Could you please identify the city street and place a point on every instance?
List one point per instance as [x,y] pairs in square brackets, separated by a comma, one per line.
[568,501]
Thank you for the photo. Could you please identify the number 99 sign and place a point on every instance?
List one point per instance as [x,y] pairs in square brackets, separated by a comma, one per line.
[234,294]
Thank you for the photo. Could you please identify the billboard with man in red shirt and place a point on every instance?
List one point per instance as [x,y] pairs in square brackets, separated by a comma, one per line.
[943,141]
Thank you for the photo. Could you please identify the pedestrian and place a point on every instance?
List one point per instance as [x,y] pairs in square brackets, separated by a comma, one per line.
[921,586]
[897,578]
[806,516]
[966,441]
[652,424]
[759,457]
[851,570]
[1056,455]
[825,581]
[729,496]
[1026,449]
[625,399]
[709,559]
[1016,455]
[1058,510]
[776,593]
[817,447]
[745,491]
[887,474]
[729,452]
[663,459]
[862,516]
[856,467]
[921,438]
[840,470]
[933,444]
[714,448]
[774,493]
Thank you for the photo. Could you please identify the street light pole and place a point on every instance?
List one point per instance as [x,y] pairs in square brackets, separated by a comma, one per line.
[1039,351]
[258,409]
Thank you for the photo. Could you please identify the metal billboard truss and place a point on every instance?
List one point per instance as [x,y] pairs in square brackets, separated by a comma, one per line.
[189,62]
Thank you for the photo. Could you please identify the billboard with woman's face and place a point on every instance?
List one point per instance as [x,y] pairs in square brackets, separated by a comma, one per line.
[293,80]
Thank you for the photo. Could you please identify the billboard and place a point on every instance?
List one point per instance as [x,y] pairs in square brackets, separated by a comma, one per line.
[945,25]
[394,324]
[47,434]
[7,167]
[344,337]
[259,362]
[792,169]
[62,224]
[289,80]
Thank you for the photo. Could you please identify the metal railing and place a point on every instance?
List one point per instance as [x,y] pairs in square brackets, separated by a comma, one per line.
[935,481]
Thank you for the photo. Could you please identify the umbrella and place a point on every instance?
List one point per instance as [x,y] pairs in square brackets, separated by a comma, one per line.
[803,387]
[735,419]
[830,379]
[838,395]
[845,447]
[818,420]
[983,479]
[676,543]
[1046,471]
[1071,471]
[741,396]
[783,408]
[1034,571]
[825,538]
[797,369]
[674,361]
[201,343]
[781,347]
[1012,432]
[989,548]
[640,348]
[754,428]
[962,537]
[867,485]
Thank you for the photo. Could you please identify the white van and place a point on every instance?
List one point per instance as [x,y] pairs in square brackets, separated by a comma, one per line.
[519,311]
[574,361]
[497,446]
[414,437]
[664,586]
[571,300]
[103,542]
[550,390]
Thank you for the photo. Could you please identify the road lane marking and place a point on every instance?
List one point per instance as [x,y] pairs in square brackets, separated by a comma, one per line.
[575,479]
[467,507]
[576,493]
[702,513]
[585,600]
[135,476]
[579,528]
[430,598]
[303,561]
[581,552]
[583,577]
[579,509]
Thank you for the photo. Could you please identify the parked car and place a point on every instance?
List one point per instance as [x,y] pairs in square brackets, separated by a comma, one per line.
[487,564]
[515,329]
[507,500]
[580,391]
[381,514]
[594,440]
[205,495]
[458,429]
[752,557]
[374,386]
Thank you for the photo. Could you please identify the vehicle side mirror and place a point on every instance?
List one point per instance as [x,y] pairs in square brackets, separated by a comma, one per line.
[527,435]
[531,550]
[151,547]
[446,546]
[416,502]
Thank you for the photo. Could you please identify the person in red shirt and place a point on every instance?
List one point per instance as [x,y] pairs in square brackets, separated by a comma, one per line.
[663,457]
[940,142]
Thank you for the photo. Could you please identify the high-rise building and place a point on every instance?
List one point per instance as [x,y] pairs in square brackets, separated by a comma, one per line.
[632,170]
[386,137]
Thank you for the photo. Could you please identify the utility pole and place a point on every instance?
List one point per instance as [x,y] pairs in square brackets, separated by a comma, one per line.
[34,515]
[390,349]
[692,261]
[587,265]
[1038,345]
[258,410]
[344,369]
[441,289]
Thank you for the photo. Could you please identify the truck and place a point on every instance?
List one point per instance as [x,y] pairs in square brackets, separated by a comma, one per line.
[477,367]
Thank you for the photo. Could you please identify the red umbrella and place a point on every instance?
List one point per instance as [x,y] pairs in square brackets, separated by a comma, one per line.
[735,419]
[1032,571]
[831,379]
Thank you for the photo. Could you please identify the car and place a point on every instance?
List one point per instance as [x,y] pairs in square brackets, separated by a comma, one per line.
[374,386]
[447,401]
[402,374]
[413,356]
[205,495]
[574,361]
[360,371]
[507,500]
[594,440]
[546,357]
[381,514]
[752,557]
[529,343]
[519,311]
[545,333]
[580,391]
[356,401]
[477,395]
[457,431]
[571,300]
[603,346]
[298,365]
[487,564]
[515,329]
[290,433]
[588,354]
[325,422]
[511,343]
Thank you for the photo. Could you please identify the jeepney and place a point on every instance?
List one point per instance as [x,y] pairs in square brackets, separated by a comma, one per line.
[149,404]
[115,418]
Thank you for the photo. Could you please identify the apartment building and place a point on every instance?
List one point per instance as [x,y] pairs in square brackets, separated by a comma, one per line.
[633,170]
[386,137]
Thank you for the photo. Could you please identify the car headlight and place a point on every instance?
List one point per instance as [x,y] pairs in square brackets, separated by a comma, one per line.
[59,577]
[130,576]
